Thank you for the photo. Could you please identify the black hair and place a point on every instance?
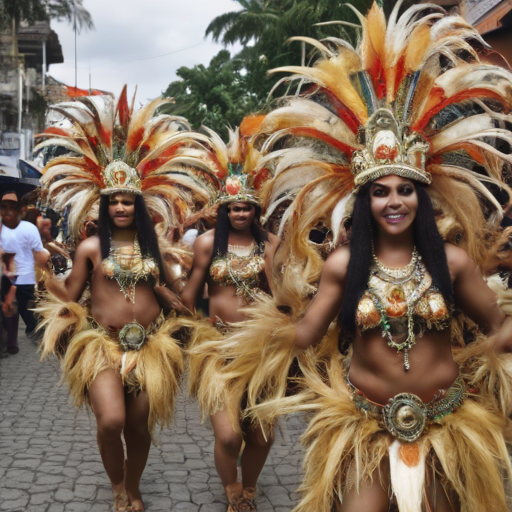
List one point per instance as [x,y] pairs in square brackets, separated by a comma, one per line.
[429,244]
[146,233]
[223,225]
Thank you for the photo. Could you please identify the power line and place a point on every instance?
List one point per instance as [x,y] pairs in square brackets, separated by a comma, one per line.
[143,58]
[163,55]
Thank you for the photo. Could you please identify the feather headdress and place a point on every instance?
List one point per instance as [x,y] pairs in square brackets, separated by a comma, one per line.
[413,99]
[113,149]
[240,157]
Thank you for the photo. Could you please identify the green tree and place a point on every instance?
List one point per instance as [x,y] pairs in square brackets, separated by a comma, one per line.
[40,10]
[13,11]
[214,96]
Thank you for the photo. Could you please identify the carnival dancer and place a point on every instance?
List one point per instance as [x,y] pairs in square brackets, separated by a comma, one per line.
[234,259]
[117,343]
[378,144]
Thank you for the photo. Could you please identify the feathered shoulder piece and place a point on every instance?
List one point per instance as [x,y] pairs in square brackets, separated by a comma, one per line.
[416,99]
[111,148]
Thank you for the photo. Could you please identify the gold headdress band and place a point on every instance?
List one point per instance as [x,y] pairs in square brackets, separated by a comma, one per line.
[389,151]
[235,190]
[120,177]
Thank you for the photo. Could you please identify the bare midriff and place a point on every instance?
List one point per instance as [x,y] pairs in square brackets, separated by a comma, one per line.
[224,302]
[110,308]
[378,370]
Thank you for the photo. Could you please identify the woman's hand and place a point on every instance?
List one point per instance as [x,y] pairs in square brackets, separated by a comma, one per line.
[169,300]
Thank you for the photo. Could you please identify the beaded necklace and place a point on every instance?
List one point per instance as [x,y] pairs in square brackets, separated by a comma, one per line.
[414,271]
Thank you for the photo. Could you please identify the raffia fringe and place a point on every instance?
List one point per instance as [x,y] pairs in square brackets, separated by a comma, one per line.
[85,352]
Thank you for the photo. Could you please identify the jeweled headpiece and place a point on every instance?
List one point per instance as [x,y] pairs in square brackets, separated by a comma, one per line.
[236,189]
[389,151]
[113,149]
[120,177]
[414,98]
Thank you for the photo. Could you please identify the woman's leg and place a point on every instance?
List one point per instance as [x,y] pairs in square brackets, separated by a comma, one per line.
[437,495]
[372,497]
[255,455]
[226,451]
[138,443]
[108,404]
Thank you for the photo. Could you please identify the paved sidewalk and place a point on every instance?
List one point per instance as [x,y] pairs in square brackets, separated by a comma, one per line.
[49,461]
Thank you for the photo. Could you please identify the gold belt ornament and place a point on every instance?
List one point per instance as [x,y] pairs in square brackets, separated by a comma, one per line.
[131,336]
[406,416]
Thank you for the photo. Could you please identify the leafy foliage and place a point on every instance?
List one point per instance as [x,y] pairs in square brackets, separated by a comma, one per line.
[230,88]
[215,96]
[40,10]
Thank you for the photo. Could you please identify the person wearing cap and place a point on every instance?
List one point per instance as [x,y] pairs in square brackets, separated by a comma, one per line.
[23,239]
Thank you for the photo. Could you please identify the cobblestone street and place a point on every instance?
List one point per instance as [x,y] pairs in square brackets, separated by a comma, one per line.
[49,461]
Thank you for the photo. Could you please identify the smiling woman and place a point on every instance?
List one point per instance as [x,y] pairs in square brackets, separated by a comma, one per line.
[403,347]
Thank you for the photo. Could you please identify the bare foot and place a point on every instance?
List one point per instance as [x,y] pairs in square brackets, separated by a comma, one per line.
[120,498]
[137,506]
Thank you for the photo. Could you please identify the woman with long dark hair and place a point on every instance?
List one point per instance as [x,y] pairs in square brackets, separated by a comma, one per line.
[395,147]
[117,343]
[234,259]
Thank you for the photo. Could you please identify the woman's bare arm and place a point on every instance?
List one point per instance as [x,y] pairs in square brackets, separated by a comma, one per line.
[72,288]
[203,249]
[477,300]
[327,303]
[270,251]
[471,293]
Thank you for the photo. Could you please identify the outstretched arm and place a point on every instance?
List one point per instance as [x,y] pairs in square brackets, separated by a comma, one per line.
[327,303]
[71,289]
[203,248]
[477,300]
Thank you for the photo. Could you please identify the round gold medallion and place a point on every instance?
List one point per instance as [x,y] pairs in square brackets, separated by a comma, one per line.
[405,417]
[132,336]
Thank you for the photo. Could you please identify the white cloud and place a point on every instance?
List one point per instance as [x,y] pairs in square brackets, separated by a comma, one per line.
[128,33]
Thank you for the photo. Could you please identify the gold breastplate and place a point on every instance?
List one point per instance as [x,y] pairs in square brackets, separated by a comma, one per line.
[403,306]
[128,266]
[241,271]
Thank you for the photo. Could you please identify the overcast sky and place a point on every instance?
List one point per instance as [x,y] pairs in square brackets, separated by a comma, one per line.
[139,43]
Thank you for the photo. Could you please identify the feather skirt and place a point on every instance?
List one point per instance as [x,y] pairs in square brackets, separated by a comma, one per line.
[467,450]
[256,362]
[85,352]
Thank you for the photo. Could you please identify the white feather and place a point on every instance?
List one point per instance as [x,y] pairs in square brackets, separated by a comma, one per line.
[407,482]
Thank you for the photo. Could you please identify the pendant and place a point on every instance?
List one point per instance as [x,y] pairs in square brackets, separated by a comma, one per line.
[406,360]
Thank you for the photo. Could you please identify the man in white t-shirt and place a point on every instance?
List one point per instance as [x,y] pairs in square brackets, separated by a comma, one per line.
[23,239]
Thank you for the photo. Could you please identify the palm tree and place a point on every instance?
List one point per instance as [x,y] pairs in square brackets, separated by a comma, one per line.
[13,11]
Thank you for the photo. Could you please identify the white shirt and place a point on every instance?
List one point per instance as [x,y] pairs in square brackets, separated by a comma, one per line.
[22,240]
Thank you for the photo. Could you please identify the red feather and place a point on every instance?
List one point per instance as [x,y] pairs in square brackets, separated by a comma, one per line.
[134,139]
[149,166]
[262,176]
[420,125]
[346,115]
[53,130]
[316,134]
[123,110]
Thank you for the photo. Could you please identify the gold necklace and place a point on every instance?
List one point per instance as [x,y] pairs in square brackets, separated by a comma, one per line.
[397,273]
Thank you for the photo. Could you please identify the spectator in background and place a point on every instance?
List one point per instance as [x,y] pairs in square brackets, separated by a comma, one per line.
[23,239]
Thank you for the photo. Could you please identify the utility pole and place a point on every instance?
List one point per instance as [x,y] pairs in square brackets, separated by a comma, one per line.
[20,95]
[43,74]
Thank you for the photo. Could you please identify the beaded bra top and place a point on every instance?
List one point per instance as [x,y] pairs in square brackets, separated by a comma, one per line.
[243,268]
[403,303]
[128,266]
